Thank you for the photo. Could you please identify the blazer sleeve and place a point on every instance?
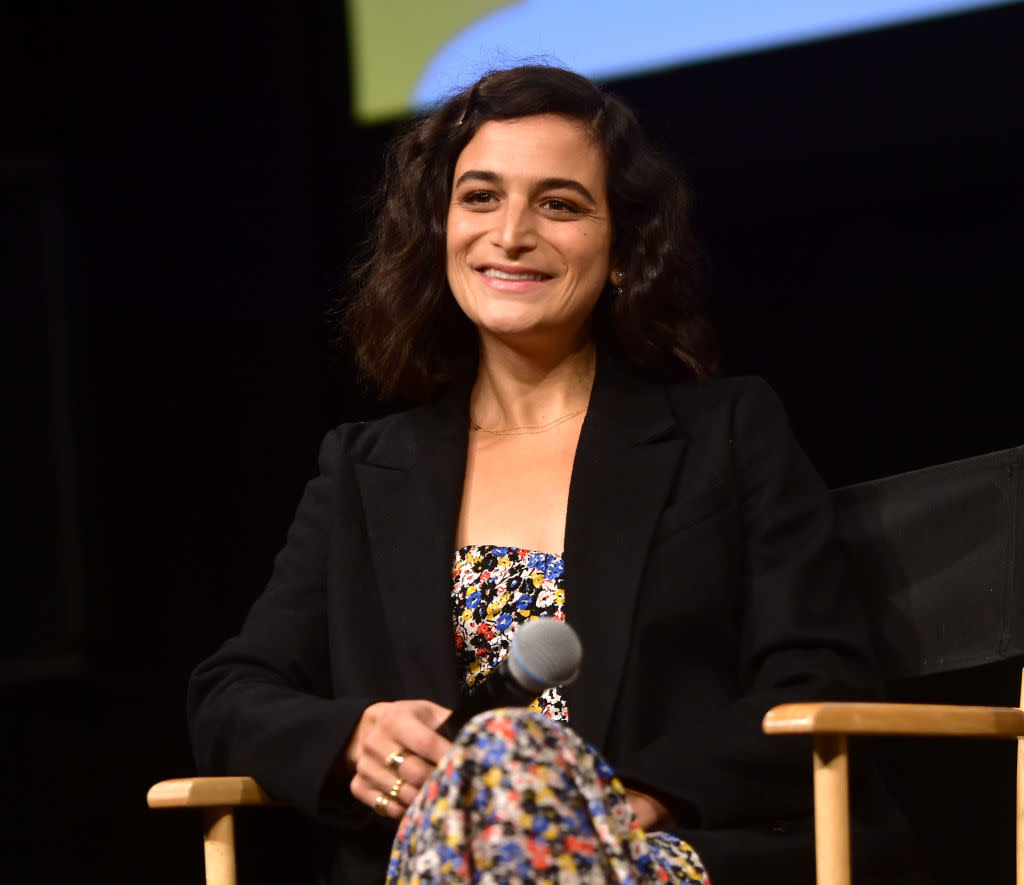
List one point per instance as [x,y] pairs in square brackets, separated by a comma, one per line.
[263,704]
[801,636]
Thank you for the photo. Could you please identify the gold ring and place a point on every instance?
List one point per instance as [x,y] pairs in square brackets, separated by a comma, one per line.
[396,758]
[395,787]
[380,805]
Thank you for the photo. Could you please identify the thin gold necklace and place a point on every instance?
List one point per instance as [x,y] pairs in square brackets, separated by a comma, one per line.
[529,428]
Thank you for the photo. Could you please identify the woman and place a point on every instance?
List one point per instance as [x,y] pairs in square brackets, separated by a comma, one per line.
[531,286]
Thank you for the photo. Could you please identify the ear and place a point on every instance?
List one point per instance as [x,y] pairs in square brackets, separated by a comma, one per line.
[616,278]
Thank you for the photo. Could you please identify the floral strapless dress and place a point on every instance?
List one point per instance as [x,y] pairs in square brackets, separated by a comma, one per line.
[520,797]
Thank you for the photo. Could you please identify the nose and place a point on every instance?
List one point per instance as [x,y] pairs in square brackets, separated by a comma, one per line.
[515,231]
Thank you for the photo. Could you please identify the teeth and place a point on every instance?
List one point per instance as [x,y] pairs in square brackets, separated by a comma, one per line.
[503,275]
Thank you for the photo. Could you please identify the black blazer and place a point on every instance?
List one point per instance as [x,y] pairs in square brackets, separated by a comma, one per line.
[700,572]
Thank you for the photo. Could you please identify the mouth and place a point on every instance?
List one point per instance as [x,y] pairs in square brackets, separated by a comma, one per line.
[513,274]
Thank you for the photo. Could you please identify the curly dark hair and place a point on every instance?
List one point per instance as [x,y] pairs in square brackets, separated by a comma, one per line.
[410,338]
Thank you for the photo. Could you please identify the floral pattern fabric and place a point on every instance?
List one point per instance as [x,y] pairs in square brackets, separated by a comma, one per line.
[520,797]
[494,590]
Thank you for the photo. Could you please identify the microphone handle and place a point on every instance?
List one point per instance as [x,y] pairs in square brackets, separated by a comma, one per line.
[499,689]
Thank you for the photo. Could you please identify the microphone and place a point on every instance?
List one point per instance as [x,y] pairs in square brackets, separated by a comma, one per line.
[543,653]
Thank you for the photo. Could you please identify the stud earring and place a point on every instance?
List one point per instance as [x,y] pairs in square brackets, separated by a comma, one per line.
[619,279]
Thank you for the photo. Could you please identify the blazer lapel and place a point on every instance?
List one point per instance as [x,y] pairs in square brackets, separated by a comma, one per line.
[411,487]
[627,457]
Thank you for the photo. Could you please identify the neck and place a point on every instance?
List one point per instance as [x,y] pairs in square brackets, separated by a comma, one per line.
[515,389]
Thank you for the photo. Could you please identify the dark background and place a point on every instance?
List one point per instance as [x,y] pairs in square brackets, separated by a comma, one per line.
[181,193]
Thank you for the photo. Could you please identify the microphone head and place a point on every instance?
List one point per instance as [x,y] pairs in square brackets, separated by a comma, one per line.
[544,652]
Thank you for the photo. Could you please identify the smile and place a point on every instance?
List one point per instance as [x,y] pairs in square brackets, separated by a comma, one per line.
[496,274]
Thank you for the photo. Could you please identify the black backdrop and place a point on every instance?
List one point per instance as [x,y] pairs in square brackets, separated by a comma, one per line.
[182,190]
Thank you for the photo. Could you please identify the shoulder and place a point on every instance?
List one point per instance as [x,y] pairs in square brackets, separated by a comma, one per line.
[392,441]
[740,401]
[726,388]
[362,441]
[741,421]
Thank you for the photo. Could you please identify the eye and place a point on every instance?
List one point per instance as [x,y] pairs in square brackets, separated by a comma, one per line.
[478,198]
[560,205]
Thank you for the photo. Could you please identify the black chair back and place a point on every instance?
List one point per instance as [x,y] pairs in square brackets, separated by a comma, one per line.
[939,553]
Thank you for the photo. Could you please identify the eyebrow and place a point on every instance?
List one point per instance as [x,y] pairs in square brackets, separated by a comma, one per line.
[544,184]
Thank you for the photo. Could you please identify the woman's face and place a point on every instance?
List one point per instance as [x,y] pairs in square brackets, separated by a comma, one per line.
[529,230]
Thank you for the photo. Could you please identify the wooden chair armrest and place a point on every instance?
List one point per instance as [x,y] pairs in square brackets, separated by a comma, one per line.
[207,792]
[832,717]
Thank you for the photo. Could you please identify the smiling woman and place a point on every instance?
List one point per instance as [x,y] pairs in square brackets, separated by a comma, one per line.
[412,340]
[530,232]
[532,289]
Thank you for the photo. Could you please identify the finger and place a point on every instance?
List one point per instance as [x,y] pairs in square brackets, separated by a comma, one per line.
[403,793]
[399,796]
[373,798]
[358,740]
[411,726]
[414,771]
[430,713]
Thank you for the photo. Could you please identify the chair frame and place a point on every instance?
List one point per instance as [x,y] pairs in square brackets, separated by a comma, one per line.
[217,797]
[832,723]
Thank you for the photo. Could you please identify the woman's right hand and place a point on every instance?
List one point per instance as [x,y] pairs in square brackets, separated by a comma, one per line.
[405,728]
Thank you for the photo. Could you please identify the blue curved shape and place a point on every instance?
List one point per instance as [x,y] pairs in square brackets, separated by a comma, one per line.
[605,39]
